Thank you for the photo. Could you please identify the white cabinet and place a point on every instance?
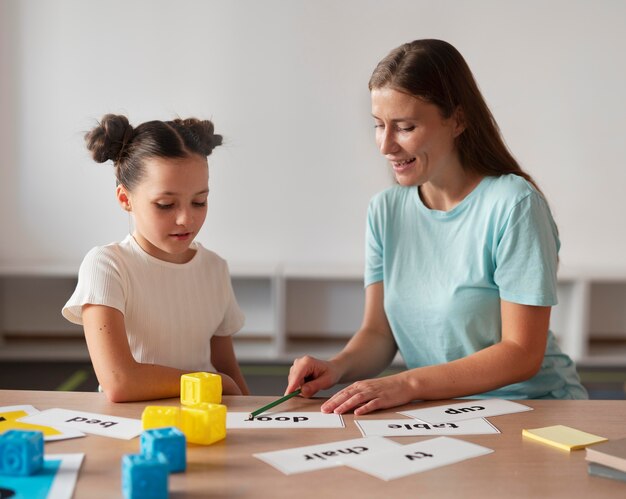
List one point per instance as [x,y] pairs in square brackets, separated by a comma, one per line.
[293,311]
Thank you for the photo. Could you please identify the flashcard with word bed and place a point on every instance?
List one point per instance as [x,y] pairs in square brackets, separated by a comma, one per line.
[466,410]
[9,416]
[238,420]
[330,455]
[98,424]
[415,458]
[414,427]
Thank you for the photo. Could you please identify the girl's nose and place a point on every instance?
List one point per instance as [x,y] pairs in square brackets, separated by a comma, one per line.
[184,216]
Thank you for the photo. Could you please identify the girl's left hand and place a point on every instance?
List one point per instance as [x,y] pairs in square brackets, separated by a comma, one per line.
[370,395]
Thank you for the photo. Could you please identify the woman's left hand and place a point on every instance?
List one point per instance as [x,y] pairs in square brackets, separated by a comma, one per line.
[370,395]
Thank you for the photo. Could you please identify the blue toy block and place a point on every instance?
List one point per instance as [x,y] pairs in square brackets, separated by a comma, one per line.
[144,477]
[171,442]
[21,452]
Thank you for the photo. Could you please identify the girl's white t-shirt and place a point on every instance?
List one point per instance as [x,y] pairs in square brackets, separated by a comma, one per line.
[171,310]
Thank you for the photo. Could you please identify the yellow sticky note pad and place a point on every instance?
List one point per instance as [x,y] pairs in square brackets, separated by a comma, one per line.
[563,437]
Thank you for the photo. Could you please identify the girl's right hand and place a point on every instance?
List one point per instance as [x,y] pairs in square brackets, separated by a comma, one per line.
[311,375]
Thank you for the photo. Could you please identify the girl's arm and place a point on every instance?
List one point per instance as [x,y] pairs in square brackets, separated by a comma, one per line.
[368,352]
[224,360]
[121,377]
[517,357]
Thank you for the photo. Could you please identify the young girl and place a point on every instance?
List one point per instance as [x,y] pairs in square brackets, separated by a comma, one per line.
[461,255]
[157,305]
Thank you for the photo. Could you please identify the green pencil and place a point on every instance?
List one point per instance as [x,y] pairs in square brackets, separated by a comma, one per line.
[254,414]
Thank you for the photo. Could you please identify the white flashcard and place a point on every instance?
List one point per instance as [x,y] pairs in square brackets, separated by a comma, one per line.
[9,416]
[238,420]
[417,457]
[98,424]
[413,427]
[65,480]
[321,456]
[466,410]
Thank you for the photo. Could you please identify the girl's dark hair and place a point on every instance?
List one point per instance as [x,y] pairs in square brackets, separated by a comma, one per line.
[436,72]
[116,140]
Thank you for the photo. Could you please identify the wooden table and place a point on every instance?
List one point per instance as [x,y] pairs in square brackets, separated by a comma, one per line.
[518,468]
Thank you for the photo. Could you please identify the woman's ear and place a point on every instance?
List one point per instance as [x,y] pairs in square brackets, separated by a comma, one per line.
[123,198]
[459,121]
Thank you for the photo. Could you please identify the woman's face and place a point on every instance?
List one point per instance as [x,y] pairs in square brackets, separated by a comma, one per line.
[169,206]
[414,137]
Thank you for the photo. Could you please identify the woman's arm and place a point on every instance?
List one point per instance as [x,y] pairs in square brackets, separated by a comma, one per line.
[517,357]
[368,352]
[121,377]
[224,360]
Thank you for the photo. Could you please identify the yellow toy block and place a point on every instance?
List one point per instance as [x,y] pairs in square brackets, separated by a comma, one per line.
[200,388]
[204,424]
[156,416]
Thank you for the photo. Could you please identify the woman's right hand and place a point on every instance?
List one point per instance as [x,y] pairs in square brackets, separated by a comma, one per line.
[311,375]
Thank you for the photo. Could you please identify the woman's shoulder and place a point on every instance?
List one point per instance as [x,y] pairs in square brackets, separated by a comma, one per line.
[505,192]
[394,195]
[511,187]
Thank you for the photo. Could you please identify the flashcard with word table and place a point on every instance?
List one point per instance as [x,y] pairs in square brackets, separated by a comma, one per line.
[414,427]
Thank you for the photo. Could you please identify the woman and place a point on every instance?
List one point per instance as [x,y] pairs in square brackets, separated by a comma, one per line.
[461,255]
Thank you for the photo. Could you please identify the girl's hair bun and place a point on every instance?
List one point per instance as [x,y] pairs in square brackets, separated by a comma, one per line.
[108,139]
[198,135]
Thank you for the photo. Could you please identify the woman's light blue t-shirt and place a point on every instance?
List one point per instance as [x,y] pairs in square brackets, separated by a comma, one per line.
[444,275]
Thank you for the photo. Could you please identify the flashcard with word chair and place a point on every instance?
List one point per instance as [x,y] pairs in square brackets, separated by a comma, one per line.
[322,456]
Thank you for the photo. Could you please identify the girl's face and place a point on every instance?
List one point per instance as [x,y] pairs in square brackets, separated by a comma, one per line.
[414,137]
[169,206]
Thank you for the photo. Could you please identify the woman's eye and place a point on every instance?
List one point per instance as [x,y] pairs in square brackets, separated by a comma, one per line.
[162,206]
[407,129]
[201,204]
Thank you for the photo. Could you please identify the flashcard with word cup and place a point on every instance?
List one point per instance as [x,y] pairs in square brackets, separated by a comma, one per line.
[238,420]
[321,456]
[466,410]
[98,424]
[417,457]
[414,427]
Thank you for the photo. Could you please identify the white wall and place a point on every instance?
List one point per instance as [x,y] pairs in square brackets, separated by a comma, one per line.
[286,82]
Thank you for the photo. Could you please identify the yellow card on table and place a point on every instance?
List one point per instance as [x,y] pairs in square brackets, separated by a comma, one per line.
[563,437]
[8,421]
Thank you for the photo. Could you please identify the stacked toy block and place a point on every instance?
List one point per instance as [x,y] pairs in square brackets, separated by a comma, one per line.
[201,419]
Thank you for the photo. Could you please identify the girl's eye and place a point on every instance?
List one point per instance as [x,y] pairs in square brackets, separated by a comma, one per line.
[407,129]
[161,206]
[199,204]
